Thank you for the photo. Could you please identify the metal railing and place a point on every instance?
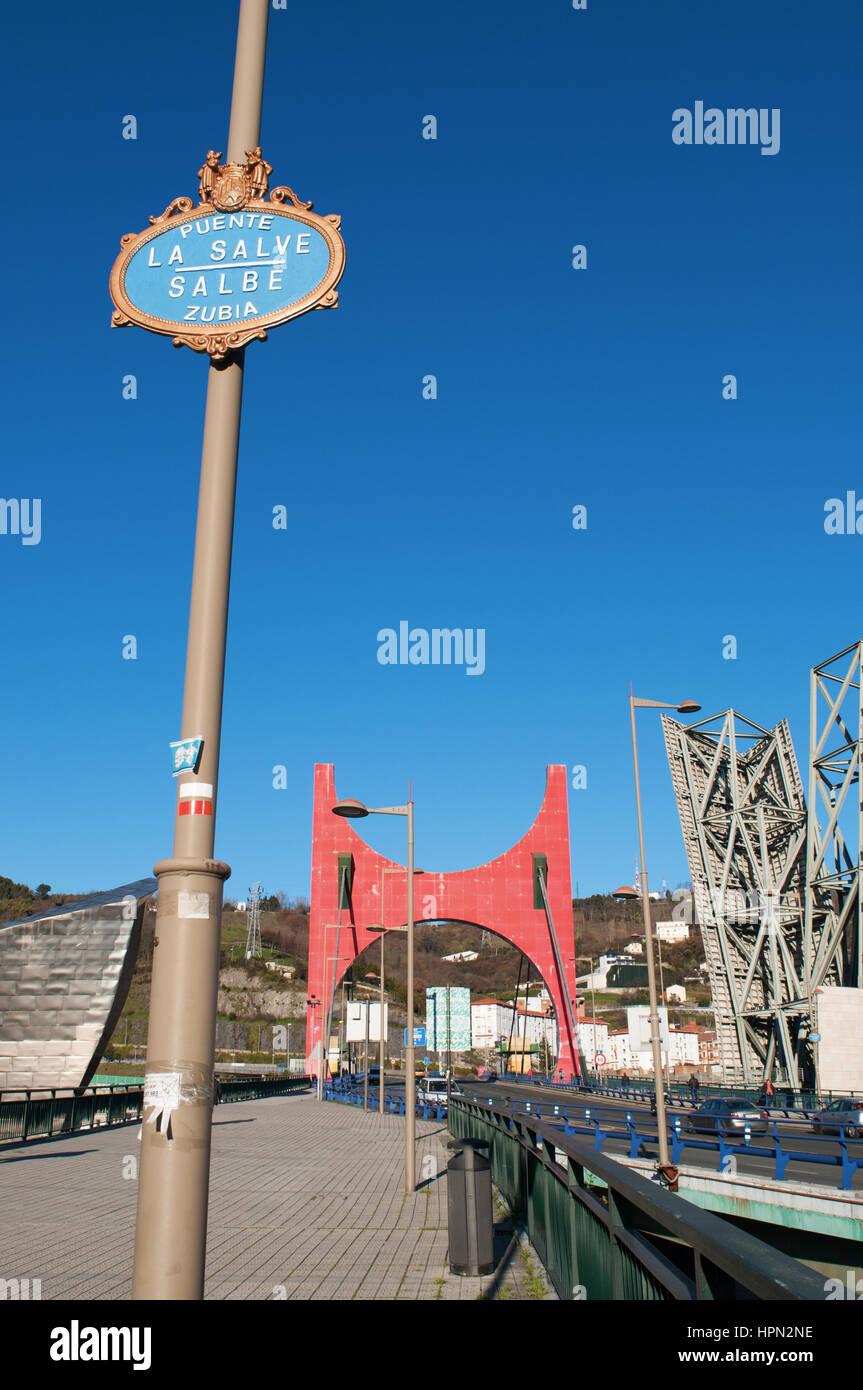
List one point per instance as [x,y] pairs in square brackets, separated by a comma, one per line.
[605,1232]
[45,1114]
[678,1093]
[349,1092]
[603,1123]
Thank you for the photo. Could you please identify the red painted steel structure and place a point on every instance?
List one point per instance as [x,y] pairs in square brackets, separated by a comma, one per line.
[498,896]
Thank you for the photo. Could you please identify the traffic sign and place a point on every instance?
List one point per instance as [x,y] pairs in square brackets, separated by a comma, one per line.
[599,1059]
[419,1037]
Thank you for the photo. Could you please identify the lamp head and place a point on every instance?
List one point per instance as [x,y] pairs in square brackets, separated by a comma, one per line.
[688,707]
[350,808]
[624,892]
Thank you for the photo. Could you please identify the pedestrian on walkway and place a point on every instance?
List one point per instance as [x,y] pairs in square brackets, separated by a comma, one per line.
[693,1088]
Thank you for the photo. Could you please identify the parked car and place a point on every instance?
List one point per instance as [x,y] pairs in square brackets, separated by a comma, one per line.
[844,1113]
[731,1115]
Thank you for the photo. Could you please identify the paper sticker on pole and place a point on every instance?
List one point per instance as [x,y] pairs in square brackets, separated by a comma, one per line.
[219,274]
[186,754]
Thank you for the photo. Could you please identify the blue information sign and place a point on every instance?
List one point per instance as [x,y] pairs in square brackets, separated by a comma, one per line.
[419,1037]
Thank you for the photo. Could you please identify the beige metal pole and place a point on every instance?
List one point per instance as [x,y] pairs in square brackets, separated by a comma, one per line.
[410,1070]
[655,1041]
[171,1230]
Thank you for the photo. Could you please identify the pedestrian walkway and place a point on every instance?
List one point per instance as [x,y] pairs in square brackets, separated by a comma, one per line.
[306,1202]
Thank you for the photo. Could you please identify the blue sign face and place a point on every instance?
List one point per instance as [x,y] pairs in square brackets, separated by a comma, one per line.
[216,280]
[227,267]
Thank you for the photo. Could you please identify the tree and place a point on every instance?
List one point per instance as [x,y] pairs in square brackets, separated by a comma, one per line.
[43,889]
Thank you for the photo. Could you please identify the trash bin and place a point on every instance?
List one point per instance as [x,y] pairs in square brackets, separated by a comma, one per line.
[469,1210]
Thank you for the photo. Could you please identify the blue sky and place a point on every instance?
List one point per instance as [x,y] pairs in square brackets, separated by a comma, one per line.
[556,387]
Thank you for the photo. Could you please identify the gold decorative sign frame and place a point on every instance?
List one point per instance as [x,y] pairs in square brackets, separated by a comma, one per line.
[223,189]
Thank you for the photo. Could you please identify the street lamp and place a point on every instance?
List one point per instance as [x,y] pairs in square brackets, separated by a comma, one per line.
[665,1168]
[353,810]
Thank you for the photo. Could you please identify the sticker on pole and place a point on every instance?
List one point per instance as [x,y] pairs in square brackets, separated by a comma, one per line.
[217,274]
[186,754]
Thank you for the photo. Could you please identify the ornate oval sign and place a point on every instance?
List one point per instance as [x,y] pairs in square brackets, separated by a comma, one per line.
[217,275]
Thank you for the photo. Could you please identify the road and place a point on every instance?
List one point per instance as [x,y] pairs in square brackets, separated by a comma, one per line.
[612,1114]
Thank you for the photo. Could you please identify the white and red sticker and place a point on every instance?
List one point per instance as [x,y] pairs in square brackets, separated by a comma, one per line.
[196,799]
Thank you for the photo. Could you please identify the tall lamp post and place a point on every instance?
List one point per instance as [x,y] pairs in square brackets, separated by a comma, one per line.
[354,810]
[665,1168]
[173,1188]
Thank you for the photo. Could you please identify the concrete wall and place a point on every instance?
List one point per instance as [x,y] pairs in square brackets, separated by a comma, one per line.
[64,977]
[839,1015]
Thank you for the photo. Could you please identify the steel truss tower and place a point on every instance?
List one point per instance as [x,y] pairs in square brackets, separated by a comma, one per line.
[253,940]
[743,816]
[835,827]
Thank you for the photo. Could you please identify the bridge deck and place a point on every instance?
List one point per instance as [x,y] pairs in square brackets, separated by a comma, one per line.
[306,1202]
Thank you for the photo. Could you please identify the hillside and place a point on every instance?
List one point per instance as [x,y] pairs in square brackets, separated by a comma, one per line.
[252,999]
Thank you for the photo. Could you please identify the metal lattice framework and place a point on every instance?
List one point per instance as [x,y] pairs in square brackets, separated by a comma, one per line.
[833,898]
[253,938]
[743,816]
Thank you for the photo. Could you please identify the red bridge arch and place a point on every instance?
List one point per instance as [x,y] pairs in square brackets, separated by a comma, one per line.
[502,896]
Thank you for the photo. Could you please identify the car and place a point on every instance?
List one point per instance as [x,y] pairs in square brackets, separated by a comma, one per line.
[734,1114]
[844,1113]
[433,1091]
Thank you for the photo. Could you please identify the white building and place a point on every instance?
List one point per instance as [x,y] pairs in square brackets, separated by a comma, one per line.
[683,1046]
[672,931]
[634,948]
[676,994]
[462,955]
[592,1038]
[619,1054]
[490,1020]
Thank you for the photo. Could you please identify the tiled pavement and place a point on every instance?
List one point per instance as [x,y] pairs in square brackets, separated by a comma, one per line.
[306,1202]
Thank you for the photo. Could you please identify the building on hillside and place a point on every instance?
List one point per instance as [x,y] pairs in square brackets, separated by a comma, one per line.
[675,994]
[683,1048]
[634,948]
[672,931]
[708,1050]
[490,1022]
[592,1039]
[619,1053]
[462,956]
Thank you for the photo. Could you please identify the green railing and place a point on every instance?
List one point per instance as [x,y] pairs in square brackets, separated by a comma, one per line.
[51,1113]
[45,1114]
[603,1231]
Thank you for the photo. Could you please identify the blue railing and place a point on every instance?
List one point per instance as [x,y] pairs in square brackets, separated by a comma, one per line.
[588,1120]
[349,1092]
[678,1093]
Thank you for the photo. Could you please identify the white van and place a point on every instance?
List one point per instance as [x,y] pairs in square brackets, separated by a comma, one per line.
[432,1091]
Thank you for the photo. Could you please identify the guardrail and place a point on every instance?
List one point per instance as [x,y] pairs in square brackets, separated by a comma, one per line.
[348,1092]
[589,1121]
[45,1114]
[679,1093]
[604,1232]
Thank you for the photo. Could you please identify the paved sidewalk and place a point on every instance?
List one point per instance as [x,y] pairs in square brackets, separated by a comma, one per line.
[306,1202]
